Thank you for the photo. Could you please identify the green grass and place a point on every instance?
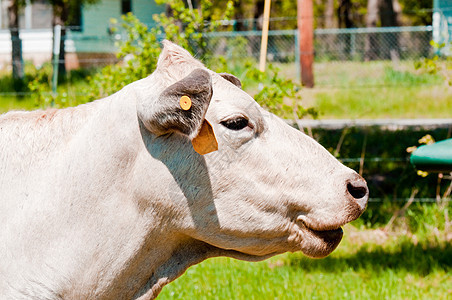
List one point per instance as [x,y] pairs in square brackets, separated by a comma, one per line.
[376,90]
[410,261]
[397,269]
[8,103]
[384,102]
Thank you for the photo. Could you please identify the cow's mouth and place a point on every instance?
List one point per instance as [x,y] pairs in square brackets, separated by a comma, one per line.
[319,243]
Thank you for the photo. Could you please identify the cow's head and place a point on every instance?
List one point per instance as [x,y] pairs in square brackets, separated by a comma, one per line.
[268,188]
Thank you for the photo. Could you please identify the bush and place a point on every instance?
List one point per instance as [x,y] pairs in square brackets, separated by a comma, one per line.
[139,49]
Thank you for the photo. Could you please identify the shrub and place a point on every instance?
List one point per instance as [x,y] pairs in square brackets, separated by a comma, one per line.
[139,48]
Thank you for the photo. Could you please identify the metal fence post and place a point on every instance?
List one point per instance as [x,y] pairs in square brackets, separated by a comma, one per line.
[297,55]
[56,56]
[353,46]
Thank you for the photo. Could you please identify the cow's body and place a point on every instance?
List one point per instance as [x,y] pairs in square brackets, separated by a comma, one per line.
[102,201]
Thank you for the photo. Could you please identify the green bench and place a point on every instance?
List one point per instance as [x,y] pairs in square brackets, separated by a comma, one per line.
[435,157]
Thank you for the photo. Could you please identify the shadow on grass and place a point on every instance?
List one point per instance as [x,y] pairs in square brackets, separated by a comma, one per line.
[421,259]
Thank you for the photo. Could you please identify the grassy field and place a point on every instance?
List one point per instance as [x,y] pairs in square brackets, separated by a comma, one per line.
[12,103]
[368,264]
[376,90]
[410,259]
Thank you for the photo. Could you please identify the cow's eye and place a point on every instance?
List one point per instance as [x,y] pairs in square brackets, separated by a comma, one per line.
[235,123]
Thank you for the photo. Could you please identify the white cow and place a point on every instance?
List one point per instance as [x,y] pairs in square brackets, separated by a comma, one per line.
[109,200]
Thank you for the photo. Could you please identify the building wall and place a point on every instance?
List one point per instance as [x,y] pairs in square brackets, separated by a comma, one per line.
[96,35]
[144,9]
[93,45]
[442,24]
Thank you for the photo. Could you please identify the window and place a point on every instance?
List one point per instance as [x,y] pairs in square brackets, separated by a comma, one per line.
[75,16]
[126,6]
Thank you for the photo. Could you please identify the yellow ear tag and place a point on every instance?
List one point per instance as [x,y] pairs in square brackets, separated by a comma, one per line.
[185,102]
[205,142]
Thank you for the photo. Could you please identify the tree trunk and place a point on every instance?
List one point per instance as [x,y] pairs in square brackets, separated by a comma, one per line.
[387,15]
[255,40]
[388,18]
[16,43]
[60,17]
[329,14]
[345,21]
[239,16]
[397,12]
[330,39]
[343,13]
[371,44]
[258,14]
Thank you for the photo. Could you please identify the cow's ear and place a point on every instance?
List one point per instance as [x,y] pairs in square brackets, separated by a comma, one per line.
[181,107]
[176,62]
[231,78]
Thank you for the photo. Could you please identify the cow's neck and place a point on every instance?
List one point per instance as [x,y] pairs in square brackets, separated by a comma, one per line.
[176,262]
[186,253]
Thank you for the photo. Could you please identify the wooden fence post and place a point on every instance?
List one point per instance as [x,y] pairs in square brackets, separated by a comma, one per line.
[305,21]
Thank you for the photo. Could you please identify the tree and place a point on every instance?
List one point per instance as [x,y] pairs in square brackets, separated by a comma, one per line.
[64,11]
[344,14]
[386,13]
[371,38]
[329,14]
[388,18]
[16,42]
[417,12]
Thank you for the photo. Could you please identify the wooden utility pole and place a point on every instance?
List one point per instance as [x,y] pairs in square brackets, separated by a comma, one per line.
[305,21]
[264,41]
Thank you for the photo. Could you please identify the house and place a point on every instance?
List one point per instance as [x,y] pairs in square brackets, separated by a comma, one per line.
[89,40]
[442,23]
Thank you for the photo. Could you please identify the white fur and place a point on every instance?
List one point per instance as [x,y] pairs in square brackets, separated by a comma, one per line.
[93,206]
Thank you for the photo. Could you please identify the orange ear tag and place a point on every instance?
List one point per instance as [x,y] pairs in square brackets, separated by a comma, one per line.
[205,142]
[185,102]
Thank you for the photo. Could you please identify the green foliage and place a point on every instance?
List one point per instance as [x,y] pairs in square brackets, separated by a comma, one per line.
[386,167]
[418,12]
[437,64]
[40,86]
[139,49]
[137,52]
[187,26]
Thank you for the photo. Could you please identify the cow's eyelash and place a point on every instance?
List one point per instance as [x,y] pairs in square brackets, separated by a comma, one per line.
[237,123]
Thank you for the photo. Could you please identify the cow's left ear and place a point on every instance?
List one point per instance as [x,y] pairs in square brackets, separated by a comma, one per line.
[181,107]
[232,79]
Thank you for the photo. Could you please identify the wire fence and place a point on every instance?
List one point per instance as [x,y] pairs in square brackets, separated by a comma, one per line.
[339,53]
[342,44]
[333,47]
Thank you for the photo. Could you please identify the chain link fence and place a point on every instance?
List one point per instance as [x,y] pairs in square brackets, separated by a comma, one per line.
[332,46]
[336,50]
[351,44]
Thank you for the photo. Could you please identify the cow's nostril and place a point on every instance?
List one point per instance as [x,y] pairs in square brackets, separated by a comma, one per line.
[357,189]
